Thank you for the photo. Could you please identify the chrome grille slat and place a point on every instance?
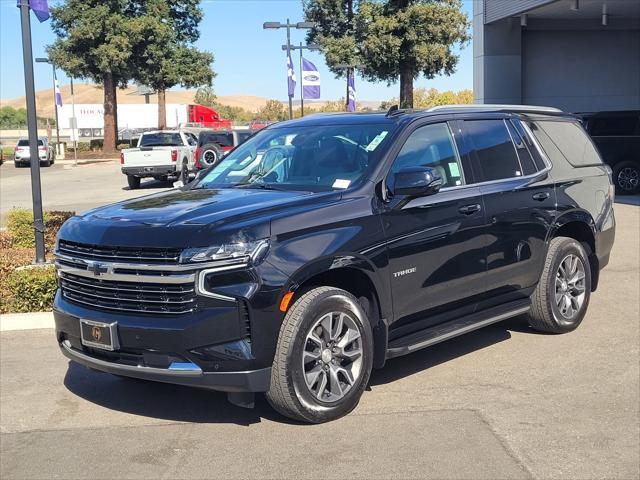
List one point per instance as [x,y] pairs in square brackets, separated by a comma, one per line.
[125,299]
[128,254]
[137,287]
[129,309]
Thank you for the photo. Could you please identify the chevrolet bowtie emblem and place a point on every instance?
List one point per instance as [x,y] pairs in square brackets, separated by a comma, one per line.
[96,333]
[97,268]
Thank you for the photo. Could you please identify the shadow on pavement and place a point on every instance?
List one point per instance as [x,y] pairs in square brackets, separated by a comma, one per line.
[185,404]
[151,185]
[628,199]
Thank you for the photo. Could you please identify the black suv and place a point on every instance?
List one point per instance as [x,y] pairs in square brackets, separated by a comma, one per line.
[324,246]
[617,136]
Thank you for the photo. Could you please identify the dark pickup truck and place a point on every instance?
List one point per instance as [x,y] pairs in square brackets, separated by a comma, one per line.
[321,247]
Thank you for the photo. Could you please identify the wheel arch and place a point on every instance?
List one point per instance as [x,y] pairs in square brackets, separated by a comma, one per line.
[579,225]
[357,276]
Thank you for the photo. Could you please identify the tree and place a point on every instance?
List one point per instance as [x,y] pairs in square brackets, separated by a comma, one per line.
[334,33]
[423,98]
[273,110]
[205,96]
[96,40]
[167,57]
[408,38]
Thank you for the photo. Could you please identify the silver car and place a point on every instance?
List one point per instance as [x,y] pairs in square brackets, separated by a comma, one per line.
[46,153]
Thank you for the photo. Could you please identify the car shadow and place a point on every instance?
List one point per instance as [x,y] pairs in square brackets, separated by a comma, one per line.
[162,400]
[421,360]
[186,404]
[151,185]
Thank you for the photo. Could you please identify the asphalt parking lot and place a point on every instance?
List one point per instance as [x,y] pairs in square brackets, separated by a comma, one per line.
[65,187]
[502,402]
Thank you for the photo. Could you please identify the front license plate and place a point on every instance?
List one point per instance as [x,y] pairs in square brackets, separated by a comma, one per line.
[99,334]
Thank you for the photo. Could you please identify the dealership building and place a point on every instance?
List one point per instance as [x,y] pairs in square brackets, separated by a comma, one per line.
[577,55]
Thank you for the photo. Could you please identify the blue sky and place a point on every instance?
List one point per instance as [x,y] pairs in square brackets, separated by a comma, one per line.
[249,60]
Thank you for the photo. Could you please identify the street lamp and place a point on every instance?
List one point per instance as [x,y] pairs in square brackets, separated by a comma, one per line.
[73,111]
[301,48]
[288,46]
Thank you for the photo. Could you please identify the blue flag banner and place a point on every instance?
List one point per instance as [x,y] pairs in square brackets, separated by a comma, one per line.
[58,94]
[291,76]
[310,80]
[351,86]
[40,8]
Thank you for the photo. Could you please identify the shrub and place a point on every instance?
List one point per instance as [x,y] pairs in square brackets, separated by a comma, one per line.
[6,239]
[96,144]
[20,227]
[10,259]
[31,289]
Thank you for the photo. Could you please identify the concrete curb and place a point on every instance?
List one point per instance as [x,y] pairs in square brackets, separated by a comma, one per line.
[86,161]
[26,321]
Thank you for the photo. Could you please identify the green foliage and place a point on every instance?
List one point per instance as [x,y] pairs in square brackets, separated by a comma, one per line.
[235,114]
[273,110]
[387,40]
[11,118]
[20,227]
[205,96]
[427,98]
[167,56]
[30,289]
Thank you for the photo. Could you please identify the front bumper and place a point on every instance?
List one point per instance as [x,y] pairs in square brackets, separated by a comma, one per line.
[248,381]
[152,171]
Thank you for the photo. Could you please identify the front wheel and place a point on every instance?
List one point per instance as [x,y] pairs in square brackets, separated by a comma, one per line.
[560,301]
[323,358]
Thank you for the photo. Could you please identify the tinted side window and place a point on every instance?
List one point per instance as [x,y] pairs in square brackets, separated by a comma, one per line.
[526,160]
[222,139]
[610,126]
[494,149]
[432,146]
[571,140]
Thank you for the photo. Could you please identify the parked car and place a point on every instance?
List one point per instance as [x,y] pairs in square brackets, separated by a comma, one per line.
[22,154]
[323,246]
[617,136]
[214,144]
[161,154]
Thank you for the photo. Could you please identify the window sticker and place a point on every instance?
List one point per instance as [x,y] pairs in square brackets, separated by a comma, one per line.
[340,183]
[454,169]
[376,141]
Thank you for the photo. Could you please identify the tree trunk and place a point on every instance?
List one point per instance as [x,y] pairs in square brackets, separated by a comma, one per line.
[162,109]
[406,85]
[110,114]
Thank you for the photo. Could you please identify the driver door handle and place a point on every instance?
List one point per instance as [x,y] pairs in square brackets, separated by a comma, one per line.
[470,209]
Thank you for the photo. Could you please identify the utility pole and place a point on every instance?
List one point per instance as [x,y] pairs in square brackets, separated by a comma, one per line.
[301,48]
[32,125]
[288,47]
[74,125]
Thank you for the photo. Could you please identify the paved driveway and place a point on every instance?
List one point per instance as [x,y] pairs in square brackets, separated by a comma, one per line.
[503,402]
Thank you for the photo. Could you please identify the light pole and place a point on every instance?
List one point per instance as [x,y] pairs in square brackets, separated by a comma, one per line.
[288,46]
[55,102]
[301,48]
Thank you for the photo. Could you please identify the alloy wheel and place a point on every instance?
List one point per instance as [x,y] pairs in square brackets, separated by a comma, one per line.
[628,178]
[209,157]
[570,286]
[332,356]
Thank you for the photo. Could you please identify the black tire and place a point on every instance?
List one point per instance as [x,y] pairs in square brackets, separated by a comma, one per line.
[210,154]
[289,393]
[46,163]
[184,172]
[626,177]
[133,181]
[18,164]
[546,314]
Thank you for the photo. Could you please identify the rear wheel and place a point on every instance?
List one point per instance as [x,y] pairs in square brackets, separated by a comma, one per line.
[133,181]
[211,154]
[561,298]
[626,176]
[324,357]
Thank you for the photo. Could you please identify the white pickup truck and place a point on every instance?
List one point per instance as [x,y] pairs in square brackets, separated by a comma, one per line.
[160,154]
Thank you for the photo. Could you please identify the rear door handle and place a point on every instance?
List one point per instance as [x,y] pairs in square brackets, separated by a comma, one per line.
[470,209]
[542,196]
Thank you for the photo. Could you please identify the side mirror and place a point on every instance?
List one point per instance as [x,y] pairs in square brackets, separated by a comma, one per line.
[416,182]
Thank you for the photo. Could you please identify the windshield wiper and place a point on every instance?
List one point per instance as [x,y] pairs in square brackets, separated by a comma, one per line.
[262,186]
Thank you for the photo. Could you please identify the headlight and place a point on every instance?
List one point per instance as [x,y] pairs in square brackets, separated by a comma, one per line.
[238,252]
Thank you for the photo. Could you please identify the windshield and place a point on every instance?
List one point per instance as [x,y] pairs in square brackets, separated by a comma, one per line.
[161,140]
[310,158]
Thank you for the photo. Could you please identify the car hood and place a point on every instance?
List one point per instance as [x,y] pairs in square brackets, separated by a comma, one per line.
[185,217]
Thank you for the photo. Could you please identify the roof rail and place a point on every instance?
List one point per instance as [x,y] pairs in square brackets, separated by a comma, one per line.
[514,108]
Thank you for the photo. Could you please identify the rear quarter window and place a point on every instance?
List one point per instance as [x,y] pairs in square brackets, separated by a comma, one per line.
[567,139]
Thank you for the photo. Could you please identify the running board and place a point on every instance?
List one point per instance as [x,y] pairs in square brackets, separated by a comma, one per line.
[439,333]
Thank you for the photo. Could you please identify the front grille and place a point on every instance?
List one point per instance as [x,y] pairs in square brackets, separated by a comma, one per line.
[152,298]
[119,254]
